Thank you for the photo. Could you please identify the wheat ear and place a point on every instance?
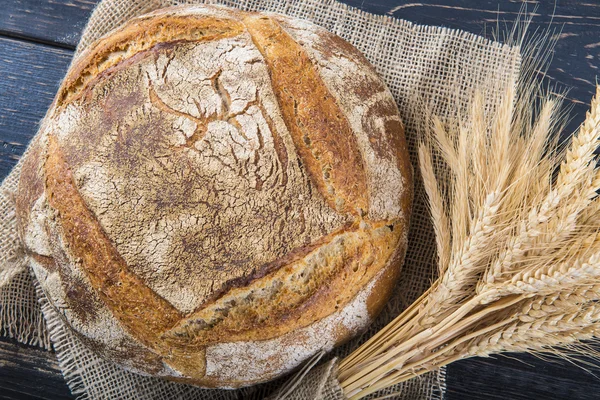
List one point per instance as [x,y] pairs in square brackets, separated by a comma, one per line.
[572,171]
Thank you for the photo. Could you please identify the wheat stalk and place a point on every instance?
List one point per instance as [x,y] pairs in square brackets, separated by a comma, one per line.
[441,225]
[476,184]
[566,301]
[526,339]
[564,225]
[462,271]
[518,248]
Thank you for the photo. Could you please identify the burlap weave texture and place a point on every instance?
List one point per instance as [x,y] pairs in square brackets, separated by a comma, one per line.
[430,67]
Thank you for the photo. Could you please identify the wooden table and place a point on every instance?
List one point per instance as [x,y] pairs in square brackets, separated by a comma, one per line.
[37,38]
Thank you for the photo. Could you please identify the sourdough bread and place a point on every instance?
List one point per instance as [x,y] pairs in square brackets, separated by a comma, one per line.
[217,195]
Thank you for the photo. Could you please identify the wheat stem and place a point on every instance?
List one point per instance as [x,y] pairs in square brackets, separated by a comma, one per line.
[441,225]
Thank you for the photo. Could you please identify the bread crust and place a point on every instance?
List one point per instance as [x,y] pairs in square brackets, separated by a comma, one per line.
[224,185]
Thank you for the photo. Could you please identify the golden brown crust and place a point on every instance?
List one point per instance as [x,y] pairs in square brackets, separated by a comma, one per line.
[240,218]
[145,314]
[320,131]
[371,111]
[139,37]
[82,301]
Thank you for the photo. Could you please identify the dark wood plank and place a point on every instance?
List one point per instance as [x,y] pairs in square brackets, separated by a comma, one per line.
[47,21]
[521,377]
[30,75]
[29,373]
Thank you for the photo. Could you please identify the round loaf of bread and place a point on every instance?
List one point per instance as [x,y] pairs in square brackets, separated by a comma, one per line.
[217,195]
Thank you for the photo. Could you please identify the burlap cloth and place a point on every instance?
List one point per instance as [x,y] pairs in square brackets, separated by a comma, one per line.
[425,67]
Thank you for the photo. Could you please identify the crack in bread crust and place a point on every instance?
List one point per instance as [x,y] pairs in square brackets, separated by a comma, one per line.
[143,35]
[132,302]
[215,199]
[138,308]
[144,313]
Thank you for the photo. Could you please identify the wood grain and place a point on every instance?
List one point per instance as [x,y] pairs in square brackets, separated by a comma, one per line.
[30,74]
[521,377]
[29,373]
[46,21]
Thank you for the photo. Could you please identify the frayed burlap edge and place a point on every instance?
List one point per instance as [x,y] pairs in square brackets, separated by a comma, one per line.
[20,313]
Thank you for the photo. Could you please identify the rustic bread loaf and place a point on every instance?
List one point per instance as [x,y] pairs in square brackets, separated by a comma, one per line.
[217,195]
